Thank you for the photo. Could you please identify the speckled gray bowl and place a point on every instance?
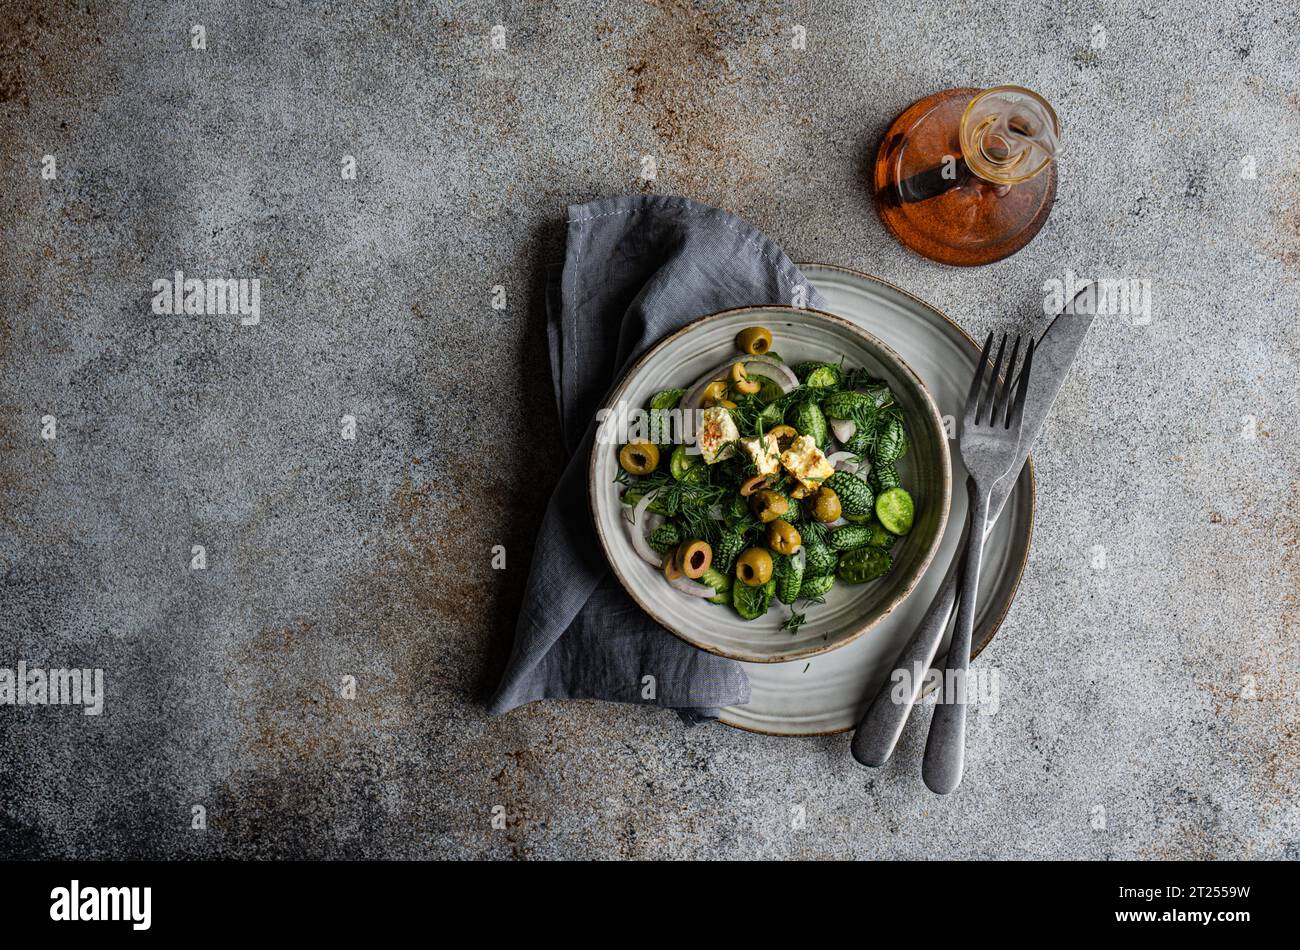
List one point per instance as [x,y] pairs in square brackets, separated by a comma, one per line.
[850,610]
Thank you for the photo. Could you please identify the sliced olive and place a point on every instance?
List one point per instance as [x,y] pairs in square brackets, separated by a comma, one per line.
[754,340]
[825,505]
[768,505]
[740,381]
[784,435]
[751,485]
[694,558]
[639,458]
[671,572]
[715,391]
[783,537]
[754,567]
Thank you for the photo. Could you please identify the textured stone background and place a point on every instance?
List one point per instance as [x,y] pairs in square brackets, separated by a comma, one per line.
[1121,688]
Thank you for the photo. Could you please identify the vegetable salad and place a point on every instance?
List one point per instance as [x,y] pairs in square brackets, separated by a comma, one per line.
[789,487]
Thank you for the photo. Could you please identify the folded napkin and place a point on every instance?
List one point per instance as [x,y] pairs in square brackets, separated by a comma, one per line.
[636,268]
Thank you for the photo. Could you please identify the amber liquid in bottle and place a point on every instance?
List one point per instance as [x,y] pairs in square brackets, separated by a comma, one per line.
[967,176]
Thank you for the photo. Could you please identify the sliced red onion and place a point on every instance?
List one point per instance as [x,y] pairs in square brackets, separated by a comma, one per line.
[844,461]
[694,588]
[639,535]
[691,401]
[778,372]
[843,429]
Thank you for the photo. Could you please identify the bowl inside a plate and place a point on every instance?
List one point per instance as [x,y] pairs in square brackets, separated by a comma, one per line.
[850,610]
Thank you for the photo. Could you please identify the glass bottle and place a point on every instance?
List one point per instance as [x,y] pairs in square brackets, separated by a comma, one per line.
[967,176]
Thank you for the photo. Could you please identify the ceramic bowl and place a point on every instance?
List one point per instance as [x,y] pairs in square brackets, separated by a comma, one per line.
[850,610]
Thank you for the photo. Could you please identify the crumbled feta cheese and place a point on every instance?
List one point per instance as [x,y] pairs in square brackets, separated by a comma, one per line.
[806,462]
[763,453]
[717,432]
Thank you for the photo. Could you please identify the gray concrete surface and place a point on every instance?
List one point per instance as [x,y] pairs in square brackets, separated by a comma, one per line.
[1161,689]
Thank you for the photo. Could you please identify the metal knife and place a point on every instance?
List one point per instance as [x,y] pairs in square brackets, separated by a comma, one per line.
[878,730]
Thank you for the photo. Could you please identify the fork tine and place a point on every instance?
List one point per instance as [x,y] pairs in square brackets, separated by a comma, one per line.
[972,401]
[988,402]
[1017,410]
[1002,407]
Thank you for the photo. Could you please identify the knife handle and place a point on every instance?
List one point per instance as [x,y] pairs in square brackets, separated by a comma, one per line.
[945,749]
[878,730]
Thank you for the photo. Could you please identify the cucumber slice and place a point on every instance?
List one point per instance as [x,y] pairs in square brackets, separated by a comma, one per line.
[686,468]
[752,602]
[895,510]
[719,582]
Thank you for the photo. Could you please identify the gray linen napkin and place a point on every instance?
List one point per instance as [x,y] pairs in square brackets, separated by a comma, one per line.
[636,269]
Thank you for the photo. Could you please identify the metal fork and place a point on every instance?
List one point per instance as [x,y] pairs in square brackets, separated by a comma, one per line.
[990,435]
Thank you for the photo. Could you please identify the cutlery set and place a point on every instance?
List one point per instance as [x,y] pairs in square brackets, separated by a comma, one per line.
[1004,414]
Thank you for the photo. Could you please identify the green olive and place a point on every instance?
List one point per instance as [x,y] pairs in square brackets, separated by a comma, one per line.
[670,565]
[639,458]
[714,391]
[754,340]
[784,435]
[751,485]
[694,558]
[740,381]
[768,505]
[754,567]
[824,506]
[783,537]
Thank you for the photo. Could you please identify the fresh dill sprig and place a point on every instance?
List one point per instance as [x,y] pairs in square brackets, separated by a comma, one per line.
[677,497]
[745,412]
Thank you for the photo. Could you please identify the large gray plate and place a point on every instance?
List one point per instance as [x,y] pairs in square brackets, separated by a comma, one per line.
[828,693]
